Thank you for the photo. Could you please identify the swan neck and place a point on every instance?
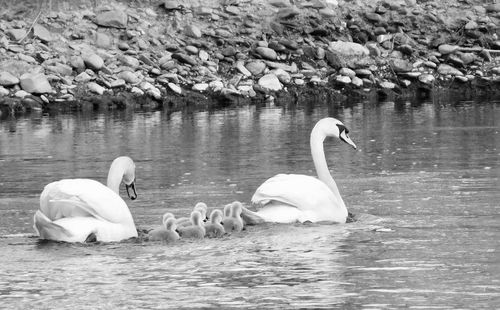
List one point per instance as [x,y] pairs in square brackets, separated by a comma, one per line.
[318,155]
[115,176]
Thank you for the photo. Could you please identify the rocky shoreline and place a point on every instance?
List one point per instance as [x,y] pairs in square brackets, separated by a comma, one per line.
[223,52]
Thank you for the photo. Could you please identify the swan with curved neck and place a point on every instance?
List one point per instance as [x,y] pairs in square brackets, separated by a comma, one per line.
[72,210]
[288,198]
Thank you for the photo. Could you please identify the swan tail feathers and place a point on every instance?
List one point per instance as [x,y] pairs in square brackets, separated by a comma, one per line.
[49,230]
[250,217]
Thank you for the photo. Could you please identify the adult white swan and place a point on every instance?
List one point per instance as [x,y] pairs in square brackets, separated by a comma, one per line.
[78,210]
[288,198]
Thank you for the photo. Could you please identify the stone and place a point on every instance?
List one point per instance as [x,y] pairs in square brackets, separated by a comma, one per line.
[203,55]
[299,82]
[93,61]
[283,76]
[184,58]
[471,25]
[137,91]
[373,49]
[16,34]
[348,48]
[270,82]
[96,88]
[288,13]
[467,58]
[446,49]
[123,46]
[356,81]
[201,87]
[266,53]
[42,33]
[7,79]
[172,4]
[445,69]
[374,17]
[3,91]
[83,77]
[35,83]
[347,72]
[117,83]
[77,63]
[401,65]
[387,85]
[256,67]
[327,12]
[129,61]
[279,3]
[242,69]
[114,19]
[102,40]
[342,79]
[229,51]
[62,69]
[231,9]
[278,65]
[191,49]
[129,77]
[175,88]
[334,60]
[216,85]
[193,31]
[21,94]
[426,78]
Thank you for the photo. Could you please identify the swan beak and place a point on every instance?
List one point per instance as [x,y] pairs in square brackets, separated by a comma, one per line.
[133,194]
[344,137]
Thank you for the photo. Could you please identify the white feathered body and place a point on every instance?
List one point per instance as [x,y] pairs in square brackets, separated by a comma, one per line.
[288,198]
[72,209]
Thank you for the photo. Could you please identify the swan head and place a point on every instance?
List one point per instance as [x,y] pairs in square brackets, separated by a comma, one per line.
[216,216]
[123,170]
[332,127]
[167,216]
[170,224]
[196,218]
[202,208]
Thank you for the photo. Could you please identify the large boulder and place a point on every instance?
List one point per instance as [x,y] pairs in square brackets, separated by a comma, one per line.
[35,83]
[7,79]
[114,18]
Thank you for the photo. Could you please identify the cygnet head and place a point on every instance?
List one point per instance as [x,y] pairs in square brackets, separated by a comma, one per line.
[216,216]
[166,216]
[236,209]
[227,210]
[332,127]
[170,224]
[196,218]
[202,208]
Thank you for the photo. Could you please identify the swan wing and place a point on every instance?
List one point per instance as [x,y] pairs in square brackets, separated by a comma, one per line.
[83,198]
[299,197]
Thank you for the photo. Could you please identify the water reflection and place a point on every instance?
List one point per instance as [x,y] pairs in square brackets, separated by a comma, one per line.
[425,182]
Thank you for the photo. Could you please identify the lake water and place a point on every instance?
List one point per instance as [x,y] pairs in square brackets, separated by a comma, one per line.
[424,182]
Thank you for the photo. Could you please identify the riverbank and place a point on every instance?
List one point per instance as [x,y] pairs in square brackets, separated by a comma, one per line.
[64,55]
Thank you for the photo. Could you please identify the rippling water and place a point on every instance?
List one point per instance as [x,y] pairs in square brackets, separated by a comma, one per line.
[425,184]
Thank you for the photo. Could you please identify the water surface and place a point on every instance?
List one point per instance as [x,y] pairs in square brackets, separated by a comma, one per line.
[424,182]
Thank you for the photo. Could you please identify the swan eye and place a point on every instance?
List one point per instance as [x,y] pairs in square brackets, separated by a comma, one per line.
[342,128]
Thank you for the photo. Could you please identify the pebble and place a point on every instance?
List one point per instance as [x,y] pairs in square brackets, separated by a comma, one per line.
[270,82]
[266,53]
[446,49]
[42,33]
[96,88]
[357,81]
[16,34]
[283,76]
[256,67]
[129,77]
[201,87]
[4,91]
[193,31]
[7,79]
[21,94]
[343,79]
[93,61]
[445,69]
[387,85]
[242,69]
[83,77]
[175,88]
[347,72]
